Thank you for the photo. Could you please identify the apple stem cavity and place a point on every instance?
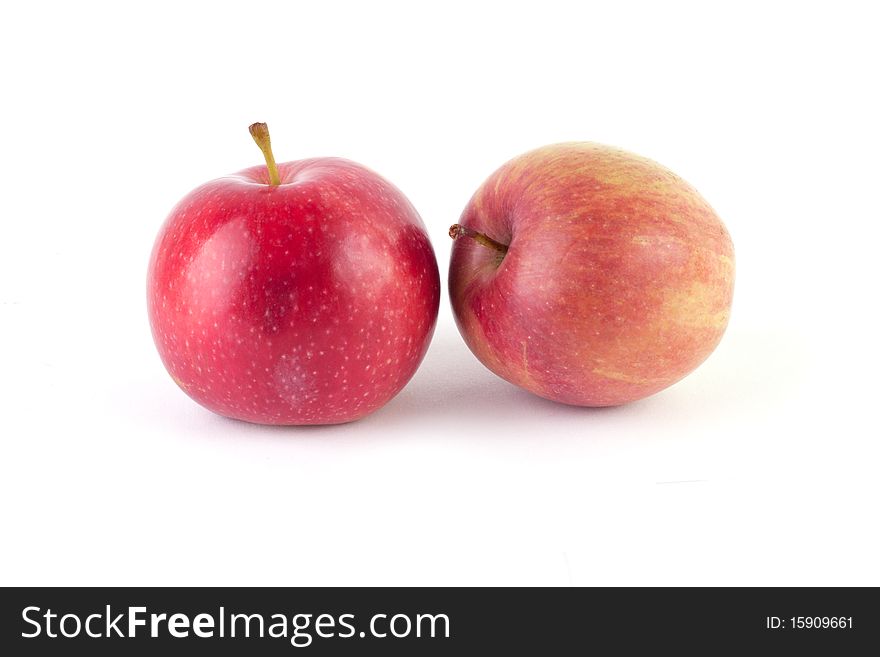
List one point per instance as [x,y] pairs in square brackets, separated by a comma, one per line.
[457,230]
[260,133]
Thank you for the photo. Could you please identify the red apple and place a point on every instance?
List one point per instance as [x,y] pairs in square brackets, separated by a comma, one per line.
[305,293]
[589,275]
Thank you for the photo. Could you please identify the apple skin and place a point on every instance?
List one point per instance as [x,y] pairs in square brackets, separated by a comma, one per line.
[617,282]
[312,302]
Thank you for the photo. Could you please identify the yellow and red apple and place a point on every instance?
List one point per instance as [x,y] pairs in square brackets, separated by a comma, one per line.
[589,275]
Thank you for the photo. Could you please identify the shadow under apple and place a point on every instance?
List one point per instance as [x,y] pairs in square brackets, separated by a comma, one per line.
[453,383]
[752,372]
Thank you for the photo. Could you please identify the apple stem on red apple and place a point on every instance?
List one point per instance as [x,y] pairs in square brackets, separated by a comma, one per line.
[260,133]
[457,230]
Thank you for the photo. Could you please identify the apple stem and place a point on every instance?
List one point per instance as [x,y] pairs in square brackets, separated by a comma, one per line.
[457,230]
[260,133]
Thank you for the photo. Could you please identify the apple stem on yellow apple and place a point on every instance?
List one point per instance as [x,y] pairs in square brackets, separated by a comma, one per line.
[260,133]
[457,230]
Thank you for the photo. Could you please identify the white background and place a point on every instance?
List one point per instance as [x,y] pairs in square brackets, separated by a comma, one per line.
[760,468]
